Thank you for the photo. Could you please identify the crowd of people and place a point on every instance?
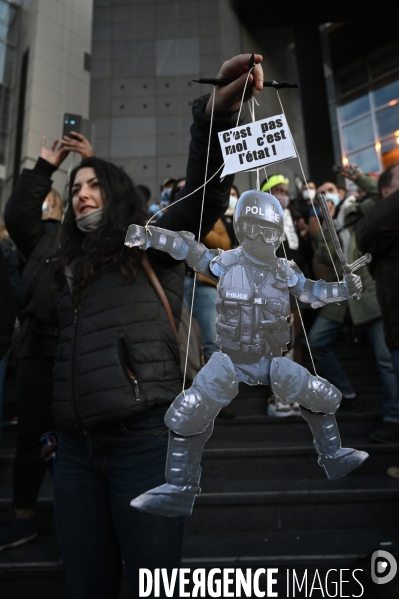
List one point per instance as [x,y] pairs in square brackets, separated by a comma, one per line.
[98,361]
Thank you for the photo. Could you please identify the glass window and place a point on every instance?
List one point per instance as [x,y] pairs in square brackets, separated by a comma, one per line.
[387,120]
[4,9]
[386,94]
[367,160]
[358,134]
[355,108]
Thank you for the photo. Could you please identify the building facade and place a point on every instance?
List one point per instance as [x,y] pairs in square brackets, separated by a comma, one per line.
[45,74]
[145,56]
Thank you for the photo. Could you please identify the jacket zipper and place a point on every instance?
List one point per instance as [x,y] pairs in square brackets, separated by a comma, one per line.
[74,384]
[135,383]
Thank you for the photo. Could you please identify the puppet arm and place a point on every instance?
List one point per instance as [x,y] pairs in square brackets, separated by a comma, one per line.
[181,245]
[320,293]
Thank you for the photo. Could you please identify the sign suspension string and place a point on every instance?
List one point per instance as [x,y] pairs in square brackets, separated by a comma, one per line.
[306,183]
[285,253]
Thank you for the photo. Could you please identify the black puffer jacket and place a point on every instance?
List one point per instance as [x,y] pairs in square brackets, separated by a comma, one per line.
[378,233]
[36,240]
[123,326]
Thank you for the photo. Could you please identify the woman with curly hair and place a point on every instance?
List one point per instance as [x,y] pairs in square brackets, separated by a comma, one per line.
[117,361]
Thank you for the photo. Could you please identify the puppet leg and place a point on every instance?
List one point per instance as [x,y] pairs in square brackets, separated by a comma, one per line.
[319,400]
[190,419]
[337,461]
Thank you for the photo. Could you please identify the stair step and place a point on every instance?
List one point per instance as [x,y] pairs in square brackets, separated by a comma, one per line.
[283,547]
[266,459]
[288,504]
[277,547]
[258,428]
[255,461]
[273,504]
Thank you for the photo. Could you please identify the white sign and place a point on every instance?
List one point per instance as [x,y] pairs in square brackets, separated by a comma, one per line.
[255,145]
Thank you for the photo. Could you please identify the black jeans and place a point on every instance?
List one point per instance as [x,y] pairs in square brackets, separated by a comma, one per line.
[34,394]
[95,480]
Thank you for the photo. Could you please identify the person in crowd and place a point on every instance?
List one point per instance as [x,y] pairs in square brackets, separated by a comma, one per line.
[36,239]
[365,312]
[342,192]
[164,199]
[227,217]
[330,190]
[297,247]
[7,321]
[176,189]
[378,233]
[303,203]
[14,264]
[7,309]
[14,260]
[117,362]
[205,292]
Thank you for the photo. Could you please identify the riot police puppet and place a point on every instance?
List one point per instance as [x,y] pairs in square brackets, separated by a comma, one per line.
[252,332]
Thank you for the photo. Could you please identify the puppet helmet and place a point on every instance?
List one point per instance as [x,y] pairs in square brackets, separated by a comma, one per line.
[259,214]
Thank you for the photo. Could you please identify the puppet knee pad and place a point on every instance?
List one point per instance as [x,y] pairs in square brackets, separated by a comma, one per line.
[213,388]
[292,382]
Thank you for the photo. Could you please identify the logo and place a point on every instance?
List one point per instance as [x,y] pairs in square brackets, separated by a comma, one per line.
[383,567]
[237,295]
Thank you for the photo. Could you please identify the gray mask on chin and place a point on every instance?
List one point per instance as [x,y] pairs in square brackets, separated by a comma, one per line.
[89,222]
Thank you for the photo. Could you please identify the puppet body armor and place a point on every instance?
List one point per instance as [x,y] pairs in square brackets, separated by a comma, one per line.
[252,331]
[253,306]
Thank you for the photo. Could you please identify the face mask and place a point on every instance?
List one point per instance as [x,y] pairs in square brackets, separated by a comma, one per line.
[89,222]
[165,196]
[284,200]
[232,205]
[309,194]
[333,197]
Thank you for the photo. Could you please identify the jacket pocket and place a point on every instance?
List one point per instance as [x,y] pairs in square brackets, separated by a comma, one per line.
[226,331]
[127,366]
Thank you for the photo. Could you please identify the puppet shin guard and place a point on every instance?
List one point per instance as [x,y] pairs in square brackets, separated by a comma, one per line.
[337,461]
[183,473]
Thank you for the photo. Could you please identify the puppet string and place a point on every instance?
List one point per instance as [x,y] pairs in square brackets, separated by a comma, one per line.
[199,237]
[306,183]
[252,111]
[297,305]
[202,211]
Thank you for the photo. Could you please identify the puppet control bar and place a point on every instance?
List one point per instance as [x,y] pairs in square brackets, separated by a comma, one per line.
[220,81]
[275,84]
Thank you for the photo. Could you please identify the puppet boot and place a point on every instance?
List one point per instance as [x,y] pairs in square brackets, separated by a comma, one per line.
[183,473]
[337,461]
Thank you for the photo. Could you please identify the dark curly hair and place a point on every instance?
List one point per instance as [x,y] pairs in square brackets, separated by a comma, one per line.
[91,254]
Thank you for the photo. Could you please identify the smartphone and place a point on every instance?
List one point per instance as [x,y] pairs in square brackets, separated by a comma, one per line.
[72,122]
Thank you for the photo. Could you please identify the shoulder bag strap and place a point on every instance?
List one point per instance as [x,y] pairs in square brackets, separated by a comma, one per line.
[149,271]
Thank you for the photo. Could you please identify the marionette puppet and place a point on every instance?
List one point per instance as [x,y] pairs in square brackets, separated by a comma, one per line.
[253,305]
